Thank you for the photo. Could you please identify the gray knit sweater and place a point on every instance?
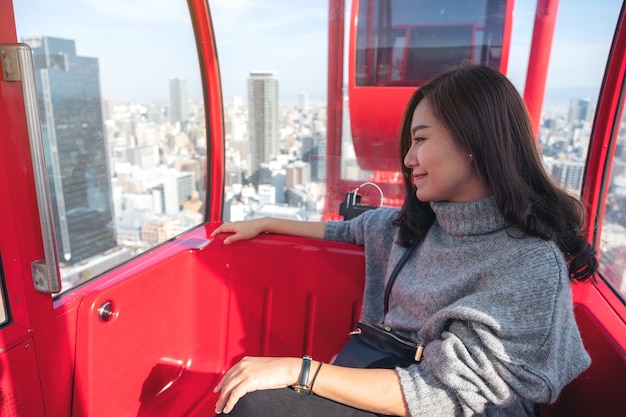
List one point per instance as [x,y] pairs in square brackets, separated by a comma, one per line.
[492,307]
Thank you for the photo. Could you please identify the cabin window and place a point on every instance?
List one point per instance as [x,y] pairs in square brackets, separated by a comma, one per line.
[407,42]
[283,169]
[613,243]
[122,116]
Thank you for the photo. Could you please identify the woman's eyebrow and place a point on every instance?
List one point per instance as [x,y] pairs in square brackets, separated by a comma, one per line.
[418,127]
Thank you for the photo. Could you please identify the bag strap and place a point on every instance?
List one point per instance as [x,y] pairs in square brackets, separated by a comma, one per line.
[396,271]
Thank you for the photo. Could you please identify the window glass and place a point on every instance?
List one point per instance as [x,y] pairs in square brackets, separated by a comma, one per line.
[122,117]
[613,243]
[273,67]
[289,42]
[406,42]
[570,98]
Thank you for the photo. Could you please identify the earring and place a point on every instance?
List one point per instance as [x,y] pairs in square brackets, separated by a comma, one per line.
[470,155]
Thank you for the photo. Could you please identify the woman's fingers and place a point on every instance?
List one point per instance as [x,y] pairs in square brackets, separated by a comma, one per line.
[242,230]
[238,381]
[223,228]
[252,374]
[225,387]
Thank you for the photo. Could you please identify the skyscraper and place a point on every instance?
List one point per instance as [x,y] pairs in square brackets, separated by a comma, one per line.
[578,110]
[70,103]
[262,118]
[303,101]
[176,188]
[569,173]
[179,107]
[314,152]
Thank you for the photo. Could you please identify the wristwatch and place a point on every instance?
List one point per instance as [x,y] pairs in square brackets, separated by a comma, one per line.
[303,383]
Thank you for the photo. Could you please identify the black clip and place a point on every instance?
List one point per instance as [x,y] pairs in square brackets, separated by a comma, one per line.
[352,206]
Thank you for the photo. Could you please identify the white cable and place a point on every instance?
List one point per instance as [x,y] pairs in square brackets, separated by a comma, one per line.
[380,191]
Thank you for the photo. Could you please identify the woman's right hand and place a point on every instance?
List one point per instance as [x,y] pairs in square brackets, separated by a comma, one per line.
[241,230]
[247,229]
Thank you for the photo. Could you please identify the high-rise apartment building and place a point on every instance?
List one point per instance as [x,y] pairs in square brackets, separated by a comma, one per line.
[170,195]
[262,118]
[578,110]
[569,173]
[179,104]
[70,103]
[314,152]
[303,101]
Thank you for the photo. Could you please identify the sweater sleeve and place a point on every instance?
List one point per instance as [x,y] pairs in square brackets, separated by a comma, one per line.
[513,339]
[357,230]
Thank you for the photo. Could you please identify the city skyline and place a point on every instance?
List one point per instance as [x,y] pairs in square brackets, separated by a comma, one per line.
[151,198]
[121,185]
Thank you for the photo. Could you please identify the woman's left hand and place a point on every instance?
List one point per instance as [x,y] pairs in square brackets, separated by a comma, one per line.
[252,374]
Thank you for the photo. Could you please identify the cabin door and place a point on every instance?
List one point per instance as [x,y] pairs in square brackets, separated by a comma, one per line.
[20,383]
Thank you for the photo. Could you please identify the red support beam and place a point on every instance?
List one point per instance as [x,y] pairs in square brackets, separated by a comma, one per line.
[541,46]
[336,19]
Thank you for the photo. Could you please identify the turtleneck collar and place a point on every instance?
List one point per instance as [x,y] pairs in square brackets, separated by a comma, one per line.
[471,218]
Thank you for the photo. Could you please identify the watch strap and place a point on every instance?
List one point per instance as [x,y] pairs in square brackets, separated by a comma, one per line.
[303,381]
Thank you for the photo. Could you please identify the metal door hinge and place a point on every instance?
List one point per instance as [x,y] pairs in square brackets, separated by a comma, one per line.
[17,65]
[10,62]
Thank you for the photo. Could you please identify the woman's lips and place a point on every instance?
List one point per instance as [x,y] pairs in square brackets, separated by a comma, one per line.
[417,177]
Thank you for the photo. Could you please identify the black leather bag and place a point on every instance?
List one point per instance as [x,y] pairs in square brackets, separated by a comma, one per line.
[372,346]
[377,346]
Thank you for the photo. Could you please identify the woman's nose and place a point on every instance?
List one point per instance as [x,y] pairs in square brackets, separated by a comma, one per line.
[410,159]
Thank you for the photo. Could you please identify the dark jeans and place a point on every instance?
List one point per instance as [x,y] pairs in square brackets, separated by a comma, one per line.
[285,402]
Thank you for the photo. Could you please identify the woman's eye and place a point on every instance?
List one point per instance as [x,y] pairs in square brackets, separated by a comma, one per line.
[418,139]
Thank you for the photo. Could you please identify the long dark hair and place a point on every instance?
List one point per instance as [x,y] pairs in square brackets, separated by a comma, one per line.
[487,117]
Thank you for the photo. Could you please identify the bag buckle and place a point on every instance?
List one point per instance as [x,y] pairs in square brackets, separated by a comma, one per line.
[356,332]
[419,352]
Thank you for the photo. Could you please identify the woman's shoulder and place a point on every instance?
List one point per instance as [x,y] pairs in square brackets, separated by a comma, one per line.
[533,249]
[532,261]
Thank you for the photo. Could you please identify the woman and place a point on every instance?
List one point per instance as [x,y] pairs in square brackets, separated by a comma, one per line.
[487,291]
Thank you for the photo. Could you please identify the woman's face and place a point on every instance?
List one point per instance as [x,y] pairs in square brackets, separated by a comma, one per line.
[440,169]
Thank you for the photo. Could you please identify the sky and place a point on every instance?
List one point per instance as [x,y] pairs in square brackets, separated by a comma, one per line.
[141,44]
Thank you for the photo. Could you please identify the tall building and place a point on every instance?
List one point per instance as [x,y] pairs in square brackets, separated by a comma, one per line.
[314,152]
[262,118]
[170,195]
[68,88]
[144,156]
[179,104]
[297,173]
[569,173]
[303,101]
[578,110]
